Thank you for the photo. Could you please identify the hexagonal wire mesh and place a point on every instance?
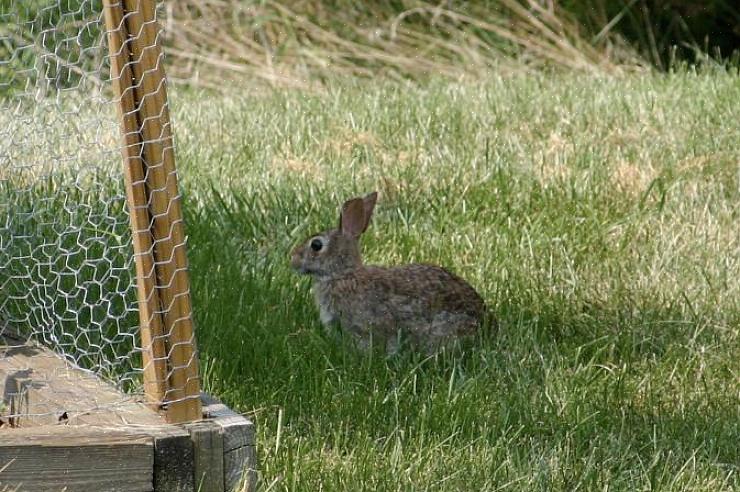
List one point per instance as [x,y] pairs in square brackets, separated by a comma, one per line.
[74,76]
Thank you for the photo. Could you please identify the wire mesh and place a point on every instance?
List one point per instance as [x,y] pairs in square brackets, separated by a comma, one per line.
[68,271]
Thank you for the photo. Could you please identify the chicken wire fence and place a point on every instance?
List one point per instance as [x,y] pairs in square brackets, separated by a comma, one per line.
[92,259]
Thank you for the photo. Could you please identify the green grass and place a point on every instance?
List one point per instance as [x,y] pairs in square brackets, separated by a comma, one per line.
[597,216]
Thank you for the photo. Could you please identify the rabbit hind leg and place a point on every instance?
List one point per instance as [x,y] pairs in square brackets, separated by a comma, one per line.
[447,329]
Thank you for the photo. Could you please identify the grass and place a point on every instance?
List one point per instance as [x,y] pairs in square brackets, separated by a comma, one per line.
[598,216]
[308,44]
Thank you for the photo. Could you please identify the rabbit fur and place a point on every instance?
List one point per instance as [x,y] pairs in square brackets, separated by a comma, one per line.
[424,304]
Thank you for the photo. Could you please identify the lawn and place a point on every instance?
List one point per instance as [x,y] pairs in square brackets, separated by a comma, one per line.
[598,217]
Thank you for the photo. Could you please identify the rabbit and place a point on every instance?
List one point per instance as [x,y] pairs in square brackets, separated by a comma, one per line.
[424,304]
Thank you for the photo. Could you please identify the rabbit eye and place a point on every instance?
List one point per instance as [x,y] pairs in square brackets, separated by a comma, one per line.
[317,244]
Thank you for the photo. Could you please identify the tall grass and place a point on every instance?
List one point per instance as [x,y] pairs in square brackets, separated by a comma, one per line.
[300,45]
[598,216]
[303,44]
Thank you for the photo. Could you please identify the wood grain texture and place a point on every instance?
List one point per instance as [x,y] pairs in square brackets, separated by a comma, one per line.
[216,454]
[240,468]
[239,442]
[76,461]
[165,210]
[208,452]
[173,461]
[39,386]
[151,324]
[171,363]
[238,430]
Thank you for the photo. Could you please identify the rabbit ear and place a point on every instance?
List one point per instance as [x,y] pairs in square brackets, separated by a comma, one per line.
[352,218]
[356,214]
[368,204]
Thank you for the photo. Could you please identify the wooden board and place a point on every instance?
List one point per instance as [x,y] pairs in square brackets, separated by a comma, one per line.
[110,441]
[239,444]
[167,226]
[208,450]
[76,459]
[173,460]
[41,388]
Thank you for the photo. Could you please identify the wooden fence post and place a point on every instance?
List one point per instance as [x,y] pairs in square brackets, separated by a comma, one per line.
[167,336]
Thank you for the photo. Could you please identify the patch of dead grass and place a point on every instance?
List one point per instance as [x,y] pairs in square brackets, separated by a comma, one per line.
[632,178]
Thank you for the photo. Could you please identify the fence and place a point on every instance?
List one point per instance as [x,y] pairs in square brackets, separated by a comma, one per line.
[92,253]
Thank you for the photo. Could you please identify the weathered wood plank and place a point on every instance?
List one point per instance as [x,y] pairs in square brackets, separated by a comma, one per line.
[56,434]
[241,465]
[64,461]
[240,455]
[238,430]
[38,386]
[173,461]
[219,452]
[208,450]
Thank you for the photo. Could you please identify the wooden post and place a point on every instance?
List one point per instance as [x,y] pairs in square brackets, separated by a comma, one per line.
[150,321]
[170,360]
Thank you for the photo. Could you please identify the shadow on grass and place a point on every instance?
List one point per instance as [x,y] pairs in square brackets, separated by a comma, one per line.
[639,378]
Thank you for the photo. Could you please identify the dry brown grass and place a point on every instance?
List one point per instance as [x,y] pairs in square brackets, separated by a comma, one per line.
[633,178]
[217,42]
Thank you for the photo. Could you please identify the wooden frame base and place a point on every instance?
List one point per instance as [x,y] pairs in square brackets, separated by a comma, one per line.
[171,458]
[73,432]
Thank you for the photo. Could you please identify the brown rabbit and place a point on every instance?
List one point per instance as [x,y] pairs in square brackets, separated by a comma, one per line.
[424,303]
